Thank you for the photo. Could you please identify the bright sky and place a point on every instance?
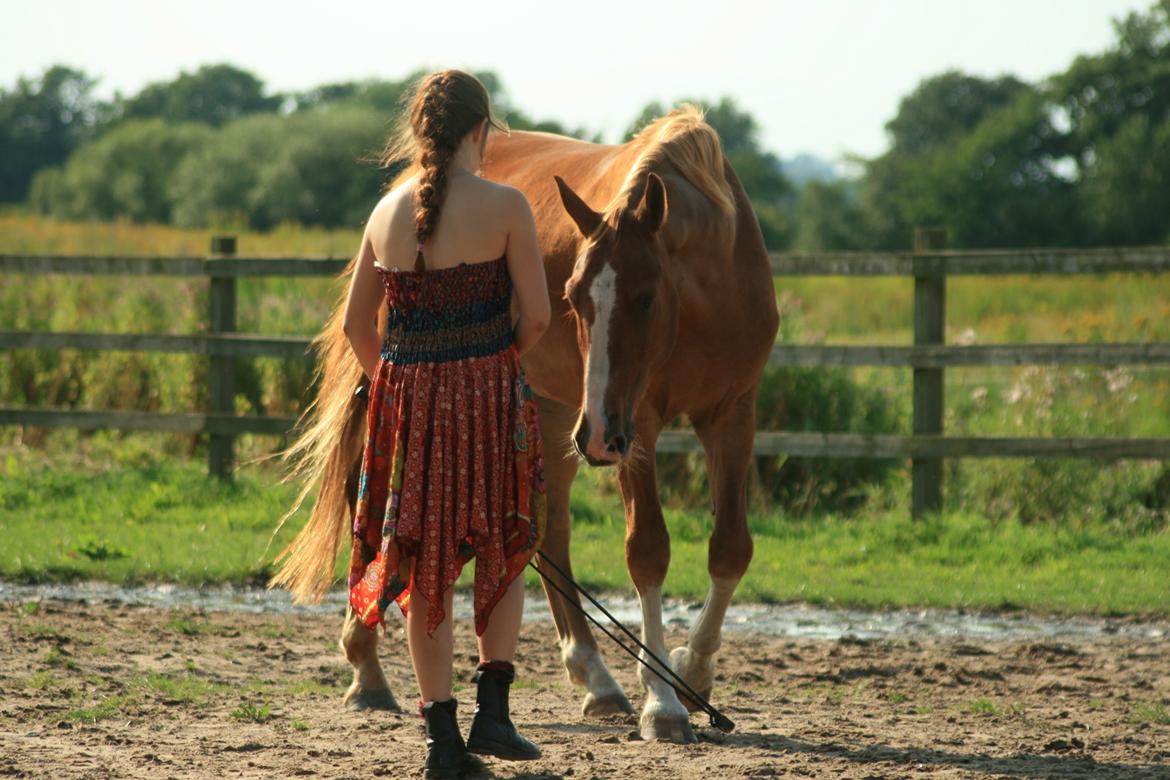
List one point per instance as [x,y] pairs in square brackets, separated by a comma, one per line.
[820,76]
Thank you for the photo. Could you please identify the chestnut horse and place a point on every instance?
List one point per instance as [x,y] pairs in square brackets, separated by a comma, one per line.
[666,308]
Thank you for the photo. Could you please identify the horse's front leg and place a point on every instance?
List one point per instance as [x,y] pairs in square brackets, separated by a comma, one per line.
[579,651]
[647,556]
[727,441]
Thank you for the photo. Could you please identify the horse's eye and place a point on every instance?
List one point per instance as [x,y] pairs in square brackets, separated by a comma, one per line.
[645,301]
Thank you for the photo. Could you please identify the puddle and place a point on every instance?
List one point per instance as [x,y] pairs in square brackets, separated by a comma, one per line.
[792,620]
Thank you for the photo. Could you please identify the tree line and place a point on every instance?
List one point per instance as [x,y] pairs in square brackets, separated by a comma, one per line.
[1082,157]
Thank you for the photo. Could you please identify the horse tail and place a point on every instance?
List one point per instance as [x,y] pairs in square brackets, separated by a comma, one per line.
[333,430]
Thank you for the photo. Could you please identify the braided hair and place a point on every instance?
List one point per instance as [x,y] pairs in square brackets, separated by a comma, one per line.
[447,106]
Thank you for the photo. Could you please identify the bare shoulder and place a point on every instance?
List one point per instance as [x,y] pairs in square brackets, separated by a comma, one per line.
[511,200]
[402,194]
[392,203]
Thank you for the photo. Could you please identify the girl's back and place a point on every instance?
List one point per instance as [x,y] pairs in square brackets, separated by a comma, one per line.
[474,226]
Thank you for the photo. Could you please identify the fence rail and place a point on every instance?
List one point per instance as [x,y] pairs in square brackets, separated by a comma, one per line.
[938,262]
[929,264]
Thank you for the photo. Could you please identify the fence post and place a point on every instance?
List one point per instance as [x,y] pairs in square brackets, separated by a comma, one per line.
[930,297]
[220,376]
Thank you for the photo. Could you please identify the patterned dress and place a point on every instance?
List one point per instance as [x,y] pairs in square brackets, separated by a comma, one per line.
[452,467]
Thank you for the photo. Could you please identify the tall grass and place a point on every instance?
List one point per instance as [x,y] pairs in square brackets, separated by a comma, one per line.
[979,401]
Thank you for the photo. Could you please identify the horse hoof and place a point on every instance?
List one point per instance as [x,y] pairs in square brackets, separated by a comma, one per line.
[668,728]
[691,704]
[699,674]
[358,698]
[613,703]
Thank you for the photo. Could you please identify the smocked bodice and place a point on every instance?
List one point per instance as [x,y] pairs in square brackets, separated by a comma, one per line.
[448,313]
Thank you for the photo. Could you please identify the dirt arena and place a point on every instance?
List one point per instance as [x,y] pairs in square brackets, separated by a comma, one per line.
[115,691]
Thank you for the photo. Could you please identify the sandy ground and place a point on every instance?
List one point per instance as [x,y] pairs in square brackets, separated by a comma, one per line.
[98,691]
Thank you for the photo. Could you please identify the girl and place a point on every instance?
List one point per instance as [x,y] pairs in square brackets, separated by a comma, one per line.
[452,466]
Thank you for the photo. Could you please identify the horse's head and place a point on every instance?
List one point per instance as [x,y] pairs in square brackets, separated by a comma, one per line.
[626,311]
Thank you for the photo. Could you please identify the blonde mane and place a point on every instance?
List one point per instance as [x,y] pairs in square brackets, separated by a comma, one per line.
[685,140]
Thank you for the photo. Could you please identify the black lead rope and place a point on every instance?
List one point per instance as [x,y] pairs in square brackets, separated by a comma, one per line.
[718,719]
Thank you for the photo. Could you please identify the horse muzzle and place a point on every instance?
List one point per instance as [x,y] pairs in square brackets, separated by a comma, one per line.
[607,449]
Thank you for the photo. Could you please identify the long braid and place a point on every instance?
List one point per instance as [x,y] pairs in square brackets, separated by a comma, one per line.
[438,141]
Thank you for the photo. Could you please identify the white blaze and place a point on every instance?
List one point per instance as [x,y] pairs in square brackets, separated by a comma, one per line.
[602,292]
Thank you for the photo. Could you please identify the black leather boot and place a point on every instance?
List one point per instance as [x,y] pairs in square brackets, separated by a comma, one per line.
[445,748]
[492,732]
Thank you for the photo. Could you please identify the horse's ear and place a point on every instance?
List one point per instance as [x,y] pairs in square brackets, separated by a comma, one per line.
[651,211]
[586,218]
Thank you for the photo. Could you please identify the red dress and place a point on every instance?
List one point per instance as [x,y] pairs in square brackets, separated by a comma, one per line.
[452,467]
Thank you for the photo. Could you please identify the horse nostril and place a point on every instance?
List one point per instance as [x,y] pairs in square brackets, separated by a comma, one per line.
[618,444]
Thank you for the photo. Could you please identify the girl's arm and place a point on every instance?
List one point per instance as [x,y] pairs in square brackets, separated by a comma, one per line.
[361,309]
[526,268]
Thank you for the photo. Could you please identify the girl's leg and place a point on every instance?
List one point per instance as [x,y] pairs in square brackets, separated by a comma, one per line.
[492,731]
[498,641]
[431,655]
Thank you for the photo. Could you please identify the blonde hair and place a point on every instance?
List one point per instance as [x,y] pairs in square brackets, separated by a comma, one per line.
[684,139]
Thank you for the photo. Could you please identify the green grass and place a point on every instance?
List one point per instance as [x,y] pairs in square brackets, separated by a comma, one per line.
[55,657]
[982,707]
[1149,713]
[188,626]
[980,401]
[38,630]
[1112,307]
[109,707]
[310,687]
[250,713]
[178,525]
[170,522]
[986,706]
[188,688]
[1062,536]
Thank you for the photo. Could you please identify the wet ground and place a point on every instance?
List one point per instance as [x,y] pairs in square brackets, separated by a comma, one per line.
[785,620]
[109,688]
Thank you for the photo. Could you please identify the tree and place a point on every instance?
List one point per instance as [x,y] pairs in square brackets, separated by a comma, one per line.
[214,184]
[123,174]
[213,95]
[41,122]
[1125,194]
[377,94]
[944,108]
[977,156]
[323,173]
[262,170]
[1101,92]
[1117,107]
[829,218]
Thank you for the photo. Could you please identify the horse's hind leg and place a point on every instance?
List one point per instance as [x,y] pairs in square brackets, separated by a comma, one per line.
[579,652]
[369,689]
[727,440]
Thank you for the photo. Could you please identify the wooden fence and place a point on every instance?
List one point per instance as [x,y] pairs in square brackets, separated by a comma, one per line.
[929,264]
